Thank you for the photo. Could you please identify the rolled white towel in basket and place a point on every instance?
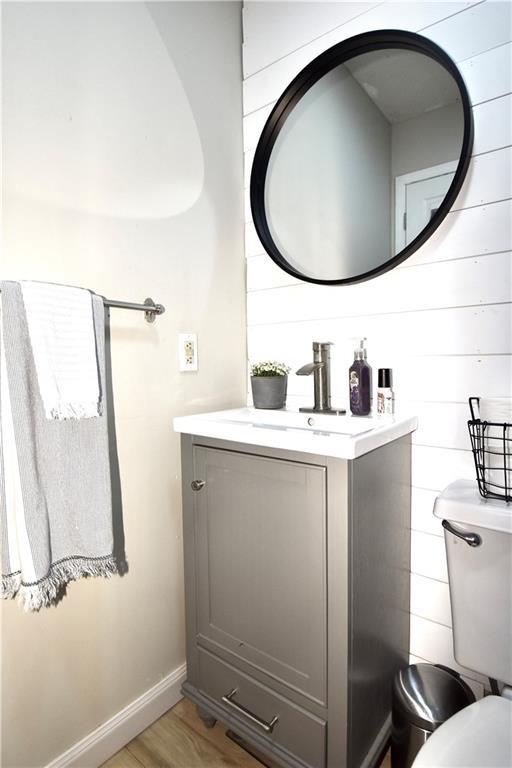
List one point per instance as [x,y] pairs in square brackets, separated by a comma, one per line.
[497,410]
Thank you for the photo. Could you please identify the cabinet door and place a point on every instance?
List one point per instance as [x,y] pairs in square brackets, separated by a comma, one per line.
[260,529]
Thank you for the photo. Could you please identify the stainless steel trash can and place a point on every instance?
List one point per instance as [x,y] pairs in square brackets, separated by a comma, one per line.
[424,697]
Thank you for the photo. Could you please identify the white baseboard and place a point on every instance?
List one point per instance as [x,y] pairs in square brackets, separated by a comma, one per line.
[112,736]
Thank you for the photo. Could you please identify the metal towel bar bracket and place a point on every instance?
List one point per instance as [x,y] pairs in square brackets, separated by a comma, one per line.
[150,309]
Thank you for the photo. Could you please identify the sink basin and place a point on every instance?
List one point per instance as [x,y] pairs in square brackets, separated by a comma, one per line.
[312,422]
[344,437]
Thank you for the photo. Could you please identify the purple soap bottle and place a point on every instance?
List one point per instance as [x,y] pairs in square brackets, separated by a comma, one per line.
[360,383]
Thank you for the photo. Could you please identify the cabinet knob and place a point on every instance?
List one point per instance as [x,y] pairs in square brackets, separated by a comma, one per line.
[196,485]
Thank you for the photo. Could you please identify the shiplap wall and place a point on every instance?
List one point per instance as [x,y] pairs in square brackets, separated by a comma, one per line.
[442,320]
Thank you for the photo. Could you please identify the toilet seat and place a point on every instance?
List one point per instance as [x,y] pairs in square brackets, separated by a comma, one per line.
[479,736]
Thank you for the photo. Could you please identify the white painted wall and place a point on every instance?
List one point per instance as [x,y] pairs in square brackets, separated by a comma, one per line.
[443,320]
[122,152]
[429,139]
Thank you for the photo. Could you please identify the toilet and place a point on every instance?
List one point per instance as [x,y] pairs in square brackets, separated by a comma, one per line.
[478,538]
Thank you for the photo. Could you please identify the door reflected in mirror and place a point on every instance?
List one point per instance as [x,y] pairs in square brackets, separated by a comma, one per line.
[351,171]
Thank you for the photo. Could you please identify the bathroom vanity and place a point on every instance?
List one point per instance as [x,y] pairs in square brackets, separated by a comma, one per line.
[296,538]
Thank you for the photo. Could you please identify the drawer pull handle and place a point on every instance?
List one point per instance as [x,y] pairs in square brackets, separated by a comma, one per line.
[267,727]
[196,485]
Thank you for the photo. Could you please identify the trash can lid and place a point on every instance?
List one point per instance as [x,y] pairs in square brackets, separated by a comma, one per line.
[427,694]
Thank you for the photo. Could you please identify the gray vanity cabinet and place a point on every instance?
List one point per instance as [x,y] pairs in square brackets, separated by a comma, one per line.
[296,578]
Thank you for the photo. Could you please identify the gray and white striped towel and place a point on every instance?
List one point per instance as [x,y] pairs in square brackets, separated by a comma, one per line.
[55,492]
[61,329]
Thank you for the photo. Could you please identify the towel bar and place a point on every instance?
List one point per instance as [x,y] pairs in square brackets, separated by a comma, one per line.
[150,309]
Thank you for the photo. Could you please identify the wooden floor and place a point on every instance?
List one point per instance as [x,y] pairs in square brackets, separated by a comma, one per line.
[180,740]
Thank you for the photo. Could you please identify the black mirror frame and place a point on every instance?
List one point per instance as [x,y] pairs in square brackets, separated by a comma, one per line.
[317,68]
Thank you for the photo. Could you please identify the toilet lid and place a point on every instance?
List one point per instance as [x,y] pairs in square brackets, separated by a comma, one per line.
[461,502]
[479,736]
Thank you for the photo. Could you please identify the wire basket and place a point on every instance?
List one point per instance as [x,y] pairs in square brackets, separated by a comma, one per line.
[491,443]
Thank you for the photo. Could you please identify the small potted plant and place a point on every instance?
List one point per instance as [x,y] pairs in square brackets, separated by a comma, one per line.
[269,381]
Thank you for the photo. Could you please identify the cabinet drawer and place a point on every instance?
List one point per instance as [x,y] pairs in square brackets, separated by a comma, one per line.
[296,731]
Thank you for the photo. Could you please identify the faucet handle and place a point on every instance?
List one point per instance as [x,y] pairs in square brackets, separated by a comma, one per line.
[319,344]
[308,369]
[321,351]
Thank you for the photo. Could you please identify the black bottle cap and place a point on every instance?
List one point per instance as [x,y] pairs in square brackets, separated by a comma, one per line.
[384,378]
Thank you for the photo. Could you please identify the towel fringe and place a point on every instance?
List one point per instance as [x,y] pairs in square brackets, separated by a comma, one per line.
[33,597]
[75,410]
[10,586]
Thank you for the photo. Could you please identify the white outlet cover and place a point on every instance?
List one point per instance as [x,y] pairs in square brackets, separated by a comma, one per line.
[187,351]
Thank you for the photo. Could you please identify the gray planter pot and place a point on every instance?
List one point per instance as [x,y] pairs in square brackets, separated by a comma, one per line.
[269,391]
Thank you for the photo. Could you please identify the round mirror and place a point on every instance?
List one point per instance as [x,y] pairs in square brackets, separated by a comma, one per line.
[361,158]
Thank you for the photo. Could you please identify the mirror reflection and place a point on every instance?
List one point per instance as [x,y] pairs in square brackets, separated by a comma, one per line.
[363,162]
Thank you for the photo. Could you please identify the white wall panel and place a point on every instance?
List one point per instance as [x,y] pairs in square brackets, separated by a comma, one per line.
[442,425]
[262,272]
[271,31]
[422,516]
[455,379]
[435,468]
[430,599]
[463,282]
[248,158]
[442,320]
[428,556]
[464,330]
[253,246]
[489,179]
[488,75]
[481,28]
[493,124]
[247,205]
[253,125]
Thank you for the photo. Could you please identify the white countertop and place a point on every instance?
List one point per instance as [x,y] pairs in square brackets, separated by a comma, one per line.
[344,437]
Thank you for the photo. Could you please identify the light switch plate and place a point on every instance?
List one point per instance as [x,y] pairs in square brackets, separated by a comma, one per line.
[187,350]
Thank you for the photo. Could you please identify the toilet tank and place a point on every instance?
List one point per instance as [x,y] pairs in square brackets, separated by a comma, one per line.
[480,578]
